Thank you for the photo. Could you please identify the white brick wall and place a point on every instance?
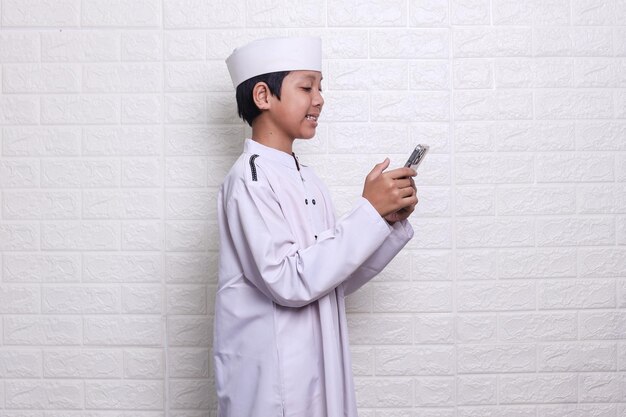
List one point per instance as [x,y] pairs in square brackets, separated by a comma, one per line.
[118,122]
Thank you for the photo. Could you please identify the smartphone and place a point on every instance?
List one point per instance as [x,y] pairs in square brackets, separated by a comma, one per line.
[417,156]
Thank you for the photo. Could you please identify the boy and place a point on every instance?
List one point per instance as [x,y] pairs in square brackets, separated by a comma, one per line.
[281,342]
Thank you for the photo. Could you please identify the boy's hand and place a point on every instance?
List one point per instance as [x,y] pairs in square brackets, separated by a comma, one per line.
[389,192]
[403,213]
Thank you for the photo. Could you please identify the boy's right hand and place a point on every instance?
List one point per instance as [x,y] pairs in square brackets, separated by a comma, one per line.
[389,191]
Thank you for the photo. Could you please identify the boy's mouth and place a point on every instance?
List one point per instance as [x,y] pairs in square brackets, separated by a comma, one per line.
[311,117]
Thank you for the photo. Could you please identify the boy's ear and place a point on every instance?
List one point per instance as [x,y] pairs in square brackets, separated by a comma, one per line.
[261,95]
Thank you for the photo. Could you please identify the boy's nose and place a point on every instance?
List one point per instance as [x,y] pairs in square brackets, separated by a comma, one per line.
[318,101]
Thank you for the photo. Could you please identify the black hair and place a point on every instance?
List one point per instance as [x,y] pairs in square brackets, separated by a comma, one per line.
[246,107]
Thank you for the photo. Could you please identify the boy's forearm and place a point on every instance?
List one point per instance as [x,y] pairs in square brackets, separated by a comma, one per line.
[402,233]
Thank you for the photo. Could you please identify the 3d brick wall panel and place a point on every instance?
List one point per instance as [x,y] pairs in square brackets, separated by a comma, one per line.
[118,123]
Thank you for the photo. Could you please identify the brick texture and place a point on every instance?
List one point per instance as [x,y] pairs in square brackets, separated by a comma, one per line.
[118,123]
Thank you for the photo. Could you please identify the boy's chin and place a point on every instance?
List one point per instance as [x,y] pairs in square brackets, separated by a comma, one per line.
[307,136]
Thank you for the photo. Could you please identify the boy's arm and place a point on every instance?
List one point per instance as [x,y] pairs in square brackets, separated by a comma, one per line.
[402,233]
[274,262]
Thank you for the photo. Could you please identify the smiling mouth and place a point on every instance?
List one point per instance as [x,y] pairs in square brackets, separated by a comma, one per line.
[311,117]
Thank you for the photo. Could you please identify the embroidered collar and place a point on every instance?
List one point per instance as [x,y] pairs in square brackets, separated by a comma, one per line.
[283,158]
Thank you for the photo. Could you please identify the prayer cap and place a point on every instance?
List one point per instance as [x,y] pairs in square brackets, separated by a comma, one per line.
[272,55]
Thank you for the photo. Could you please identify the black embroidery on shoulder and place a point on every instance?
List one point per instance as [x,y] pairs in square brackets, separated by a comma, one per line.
[253,167]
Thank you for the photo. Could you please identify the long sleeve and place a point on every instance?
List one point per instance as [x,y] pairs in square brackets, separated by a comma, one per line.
[274,262]
[399,237]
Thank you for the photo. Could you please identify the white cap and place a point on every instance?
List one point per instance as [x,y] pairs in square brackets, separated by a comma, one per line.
[272,55]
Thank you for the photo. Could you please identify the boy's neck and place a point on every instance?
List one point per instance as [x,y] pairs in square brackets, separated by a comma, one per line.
[271,138]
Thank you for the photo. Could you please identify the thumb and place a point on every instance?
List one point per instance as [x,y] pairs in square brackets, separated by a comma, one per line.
[378,169]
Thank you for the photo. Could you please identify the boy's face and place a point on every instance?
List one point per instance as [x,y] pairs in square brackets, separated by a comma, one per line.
[295,114]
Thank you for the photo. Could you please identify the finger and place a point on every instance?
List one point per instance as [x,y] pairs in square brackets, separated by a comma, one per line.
[378,169]
[402,183]
[393,217]
[402,173]
[406,211]
[406,192]
[409,200]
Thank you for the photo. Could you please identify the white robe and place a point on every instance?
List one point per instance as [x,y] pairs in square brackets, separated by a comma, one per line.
[281,338]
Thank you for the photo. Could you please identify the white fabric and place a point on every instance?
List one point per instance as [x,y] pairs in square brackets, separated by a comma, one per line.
[272,55]
[281,340]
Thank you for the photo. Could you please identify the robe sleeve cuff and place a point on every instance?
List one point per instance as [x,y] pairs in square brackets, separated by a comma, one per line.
[403,228]
[376,217]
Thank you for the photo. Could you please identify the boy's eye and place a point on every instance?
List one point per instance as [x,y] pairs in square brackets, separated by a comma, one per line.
[306,88]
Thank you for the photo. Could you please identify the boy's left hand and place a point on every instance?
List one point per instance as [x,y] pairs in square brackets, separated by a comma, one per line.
[403,213]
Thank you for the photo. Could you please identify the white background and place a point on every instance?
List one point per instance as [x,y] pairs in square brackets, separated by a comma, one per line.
[118,123]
